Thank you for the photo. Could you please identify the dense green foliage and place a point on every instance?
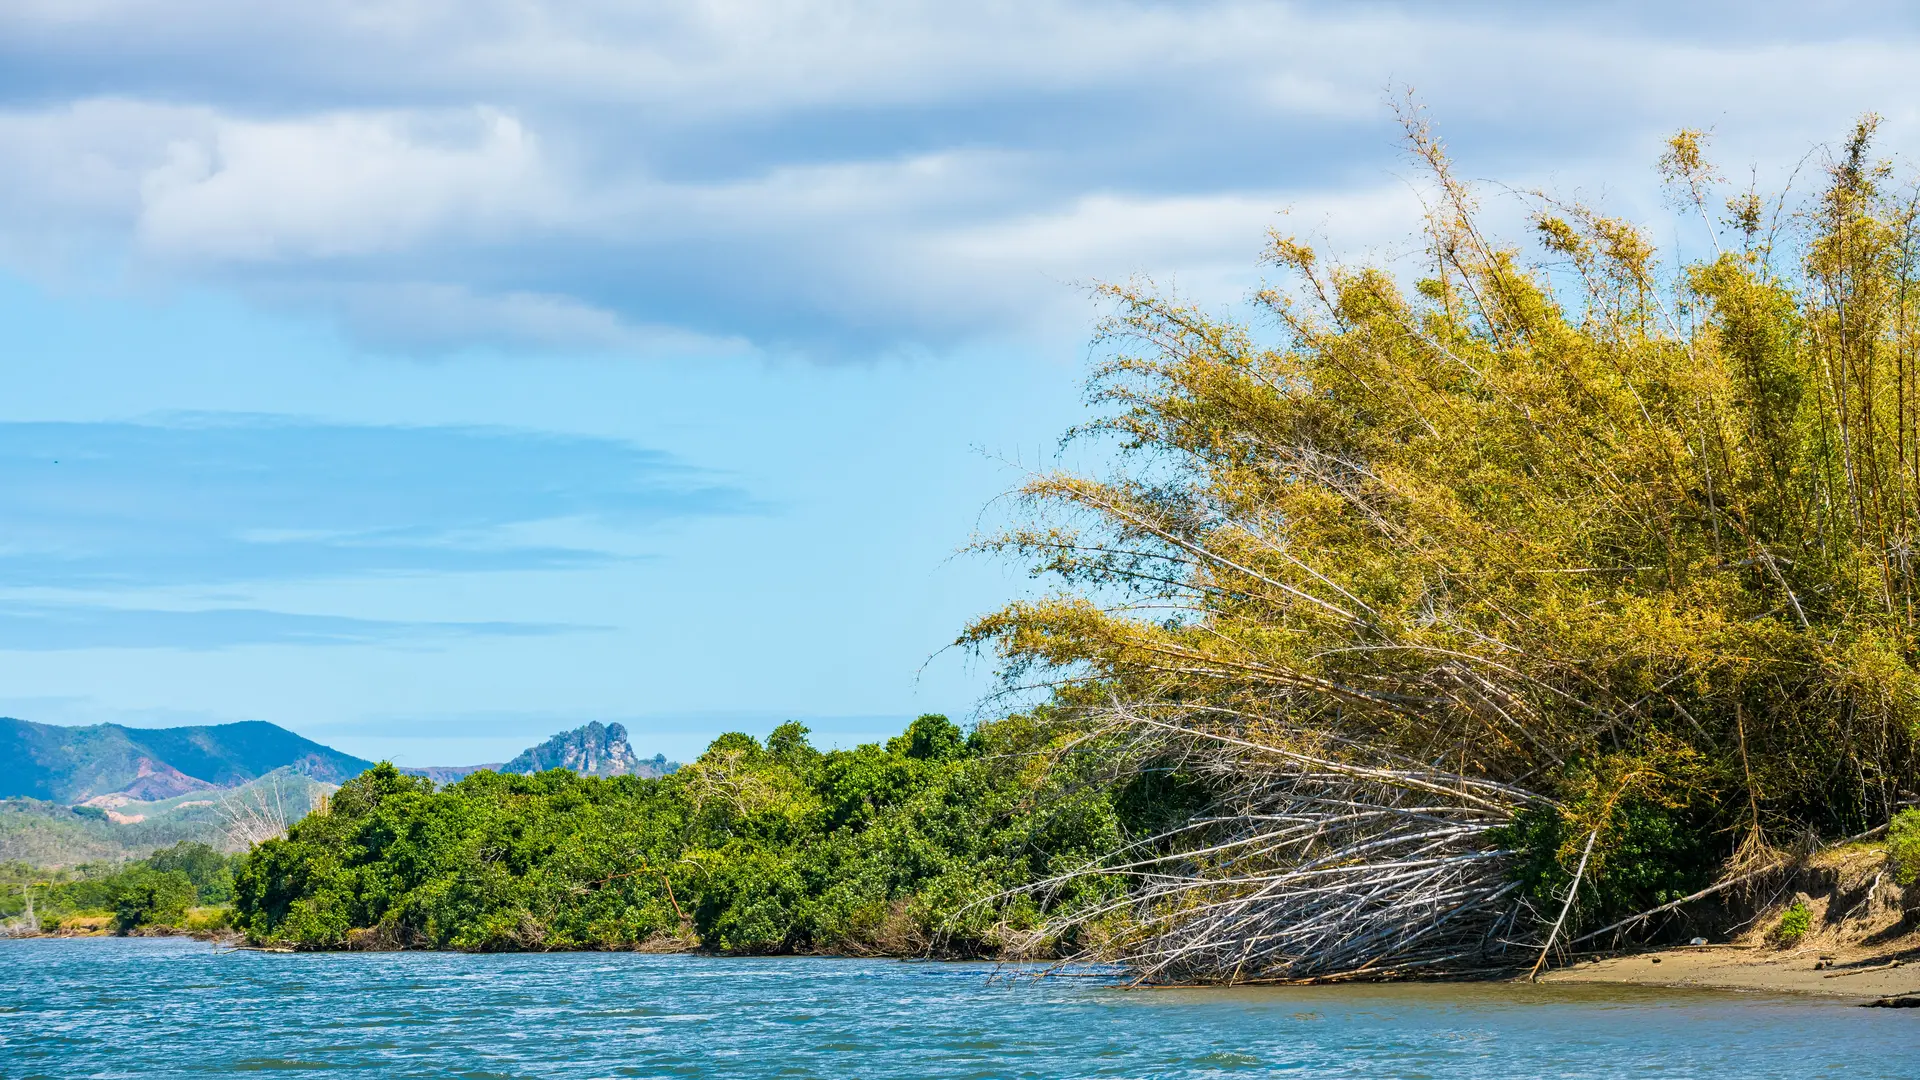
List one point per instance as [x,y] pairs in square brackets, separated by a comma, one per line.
[1657,854]
[754,847]
[157,891]
[1903,846]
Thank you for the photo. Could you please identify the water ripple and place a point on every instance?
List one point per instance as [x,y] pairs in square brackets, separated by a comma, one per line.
[168,1008]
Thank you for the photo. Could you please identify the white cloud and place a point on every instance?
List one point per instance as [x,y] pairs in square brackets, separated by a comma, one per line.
[342,185]
[70,174]
[669,176]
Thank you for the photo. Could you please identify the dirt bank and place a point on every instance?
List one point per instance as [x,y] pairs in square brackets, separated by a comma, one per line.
[1851,974]
[1861,937]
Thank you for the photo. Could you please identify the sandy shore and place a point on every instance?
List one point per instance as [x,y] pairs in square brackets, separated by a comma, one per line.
[1829,972]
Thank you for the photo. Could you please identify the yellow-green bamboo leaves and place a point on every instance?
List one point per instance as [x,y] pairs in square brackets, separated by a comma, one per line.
[1546,513]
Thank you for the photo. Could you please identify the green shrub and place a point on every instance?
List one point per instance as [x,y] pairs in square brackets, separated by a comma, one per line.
[1794,923]
[209,870]
[1650,855]
[147,897]
[931,737]
[1903,846]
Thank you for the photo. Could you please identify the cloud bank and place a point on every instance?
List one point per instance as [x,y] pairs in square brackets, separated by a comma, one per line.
[836,179]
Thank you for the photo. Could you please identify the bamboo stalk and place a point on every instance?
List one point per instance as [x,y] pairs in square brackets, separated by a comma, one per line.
[1534,975]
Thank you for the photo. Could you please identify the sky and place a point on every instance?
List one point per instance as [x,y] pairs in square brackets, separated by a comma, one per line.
[428,378]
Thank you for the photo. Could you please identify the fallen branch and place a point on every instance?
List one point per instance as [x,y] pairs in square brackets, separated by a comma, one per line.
[1534,975]
[1306,866]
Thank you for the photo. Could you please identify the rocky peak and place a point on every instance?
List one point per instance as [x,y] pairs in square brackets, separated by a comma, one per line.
[594,750]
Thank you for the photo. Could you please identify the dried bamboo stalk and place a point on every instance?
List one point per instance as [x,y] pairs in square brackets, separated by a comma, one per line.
[1307,866]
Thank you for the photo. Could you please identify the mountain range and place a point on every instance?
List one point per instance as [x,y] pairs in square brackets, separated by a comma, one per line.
[76,764]
[73,764]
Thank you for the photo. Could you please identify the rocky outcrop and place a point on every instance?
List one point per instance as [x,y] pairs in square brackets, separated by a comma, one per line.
[594,750]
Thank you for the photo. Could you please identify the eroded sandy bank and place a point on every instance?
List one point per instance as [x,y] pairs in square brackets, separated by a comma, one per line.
[1831,972]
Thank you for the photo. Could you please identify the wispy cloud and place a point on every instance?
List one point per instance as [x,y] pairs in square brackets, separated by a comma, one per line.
[51,627]
[211,500]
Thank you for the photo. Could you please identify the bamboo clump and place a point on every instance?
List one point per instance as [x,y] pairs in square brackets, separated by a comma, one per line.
[1594,539]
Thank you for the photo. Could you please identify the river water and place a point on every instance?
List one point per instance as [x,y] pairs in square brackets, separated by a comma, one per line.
[174,1008]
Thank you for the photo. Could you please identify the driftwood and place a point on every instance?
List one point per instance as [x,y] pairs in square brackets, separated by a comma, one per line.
[1864,970]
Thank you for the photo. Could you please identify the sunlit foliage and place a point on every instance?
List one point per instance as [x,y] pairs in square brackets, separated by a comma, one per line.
[773,847]
[1632,533]
[161,890]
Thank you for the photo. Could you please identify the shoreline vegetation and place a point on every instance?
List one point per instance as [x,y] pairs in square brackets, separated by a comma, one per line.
[1838,922]
[186,889]
[1500,600]
[1453,618]
[907,848]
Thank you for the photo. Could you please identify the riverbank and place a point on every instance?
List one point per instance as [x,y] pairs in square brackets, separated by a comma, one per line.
[1830,972]
[101,926]
[1843,973]
[1837,926]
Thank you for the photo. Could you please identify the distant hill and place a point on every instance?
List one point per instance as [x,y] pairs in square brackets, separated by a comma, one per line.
[74,764]
[114,828]
[69,794]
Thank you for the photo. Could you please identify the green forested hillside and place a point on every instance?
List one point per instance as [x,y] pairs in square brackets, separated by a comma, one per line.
[52,834]
[72,764]
[754,847]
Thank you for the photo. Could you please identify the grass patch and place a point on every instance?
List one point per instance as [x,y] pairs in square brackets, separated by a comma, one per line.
[199,919]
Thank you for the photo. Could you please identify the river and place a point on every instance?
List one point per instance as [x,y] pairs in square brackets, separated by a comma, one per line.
[175,1008]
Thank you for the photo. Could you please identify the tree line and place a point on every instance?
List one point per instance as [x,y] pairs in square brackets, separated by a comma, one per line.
[188,886]
[904,848]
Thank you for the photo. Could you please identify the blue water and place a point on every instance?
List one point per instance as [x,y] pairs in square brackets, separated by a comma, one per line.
[173,1008]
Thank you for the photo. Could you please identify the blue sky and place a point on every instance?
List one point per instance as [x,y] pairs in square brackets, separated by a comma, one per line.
[430,377]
